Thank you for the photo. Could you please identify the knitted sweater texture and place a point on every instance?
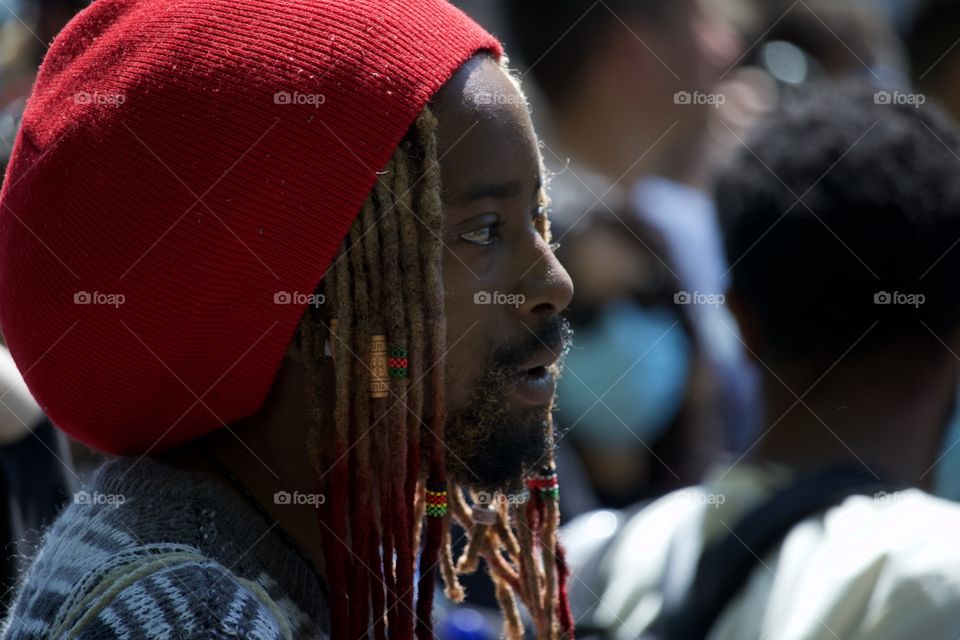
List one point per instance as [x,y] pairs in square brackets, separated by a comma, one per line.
[148,551]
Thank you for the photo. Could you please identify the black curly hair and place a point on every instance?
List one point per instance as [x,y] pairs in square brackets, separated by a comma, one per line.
[878,225]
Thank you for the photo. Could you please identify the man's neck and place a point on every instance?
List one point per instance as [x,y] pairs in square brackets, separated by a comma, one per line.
[266,453]
[261,480]
[886,418]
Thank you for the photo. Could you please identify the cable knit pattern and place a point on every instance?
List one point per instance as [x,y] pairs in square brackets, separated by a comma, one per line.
[155,552]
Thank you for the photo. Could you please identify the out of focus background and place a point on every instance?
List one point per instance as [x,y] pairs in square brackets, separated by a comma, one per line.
[638,102]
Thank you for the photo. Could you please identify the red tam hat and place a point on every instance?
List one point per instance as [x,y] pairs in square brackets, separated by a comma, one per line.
[184,173]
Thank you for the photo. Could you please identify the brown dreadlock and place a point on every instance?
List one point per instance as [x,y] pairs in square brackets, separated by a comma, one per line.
[374,467]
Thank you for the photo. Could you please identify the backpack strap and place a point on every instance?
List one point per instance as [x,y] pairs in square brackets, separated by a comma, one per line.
[725,566]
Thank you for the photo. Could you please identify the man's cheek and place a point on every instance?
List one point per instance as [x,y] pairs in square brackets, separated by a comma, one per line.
[460,373]
[471,325]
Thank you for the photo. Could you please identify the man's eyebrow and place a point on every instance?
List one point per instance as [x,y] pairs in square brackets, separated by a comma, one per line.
[494,190]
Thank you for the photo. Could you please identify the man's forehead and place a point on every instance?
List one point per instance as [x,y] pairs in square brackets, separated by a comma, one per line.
[480,96]
[475,190]
[485,136]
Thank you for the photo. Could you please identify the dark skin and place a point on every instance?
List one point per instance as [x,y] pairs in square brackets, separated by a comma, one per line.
[884,408]
[491,175]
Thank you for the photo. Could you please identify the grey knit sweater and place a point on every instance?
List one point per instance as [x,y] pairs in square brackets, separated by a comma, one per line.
[156,552]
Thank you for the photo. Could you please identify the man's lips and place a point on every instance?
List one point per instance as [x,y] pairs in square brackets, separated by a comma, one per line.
[548,355]
[535,382]
[534,386]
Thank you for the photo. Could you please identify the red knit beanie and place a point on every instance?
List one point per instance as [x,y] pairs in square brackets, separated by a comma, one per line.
[184,173]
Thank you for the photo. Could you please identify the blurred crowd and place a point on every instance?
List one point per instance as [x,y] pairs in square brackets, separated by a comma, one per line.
[640,105]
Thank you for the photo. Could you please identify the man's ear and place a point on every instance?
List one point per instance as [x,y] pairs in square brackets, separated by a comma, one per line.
[747,323]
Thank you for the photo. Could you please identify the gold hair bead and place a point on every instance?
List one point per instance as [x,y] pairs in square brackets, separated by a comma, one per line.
[379,372]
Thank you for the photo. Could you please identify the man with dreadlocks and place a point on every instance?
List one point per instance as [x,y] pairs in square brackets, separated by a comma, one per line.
[288,261]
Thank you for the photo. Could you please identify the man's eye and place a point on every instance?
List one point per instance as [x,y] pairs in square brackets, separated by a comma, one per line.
[480,237]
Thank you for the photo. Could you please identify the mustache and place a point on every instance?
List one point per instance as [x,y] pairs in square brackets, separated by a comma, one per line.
[553,335]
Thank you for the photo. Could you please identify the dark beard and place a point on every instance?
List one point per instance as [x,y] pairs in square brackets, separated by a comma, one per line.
[491,448]
[491,445]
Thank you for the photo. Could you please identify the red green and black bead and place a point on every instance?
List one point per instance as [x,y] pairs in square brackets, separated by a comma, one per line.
[397,363]
[436,502]
[546,483]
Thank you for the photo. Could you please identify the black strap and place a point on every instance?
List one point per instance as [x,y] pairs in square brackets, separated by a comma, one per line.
[724,567]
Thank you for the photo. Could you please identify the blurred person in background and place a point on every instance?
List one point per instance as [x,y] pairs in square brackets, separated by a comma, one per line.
[837,39]
[37,471]
[638,398]
[37,477]
[818,39]
[931,39]
[625,90]
[610,74]
[841,214]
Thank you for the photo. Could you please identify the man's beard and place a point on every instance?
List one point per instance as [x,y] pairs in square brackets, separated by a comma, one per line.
[491,444]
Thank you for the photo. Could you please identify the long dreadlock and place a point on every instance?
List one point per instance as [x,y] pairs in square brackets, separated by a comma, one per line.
[374,467]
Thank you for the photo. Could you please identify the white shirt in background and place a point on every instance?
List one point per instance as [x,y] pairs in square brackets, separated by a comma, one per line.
[880,567]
